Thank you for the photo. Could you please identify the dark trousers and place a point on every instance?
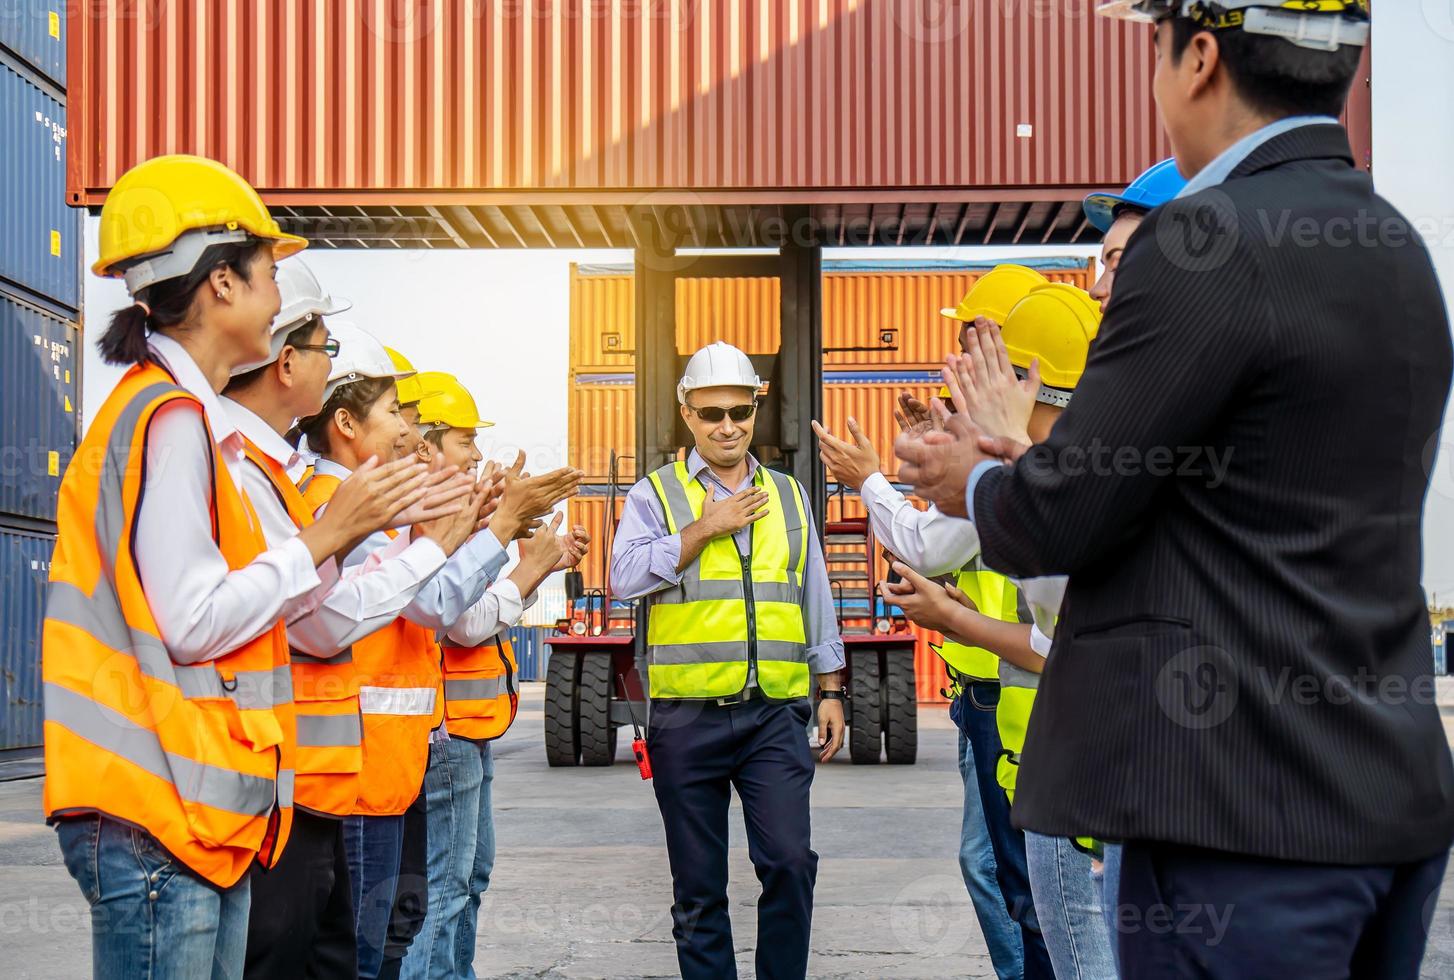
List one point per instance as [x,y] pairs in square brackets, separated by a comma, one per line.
[974,712]
[411,896]
[301,922]
[1190,912]
[699,753]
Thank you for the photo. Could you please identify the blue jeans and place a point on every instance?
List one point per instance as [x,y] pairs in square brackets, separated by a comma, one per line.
[452,802]
[464,959]
[1111,895]
[974,713]
[150,917]
[1068,902]
[373,845]
[977,865]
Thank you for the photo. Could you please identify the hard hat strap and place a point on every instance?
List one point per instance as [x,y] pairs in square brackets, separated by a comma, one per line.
[181,257]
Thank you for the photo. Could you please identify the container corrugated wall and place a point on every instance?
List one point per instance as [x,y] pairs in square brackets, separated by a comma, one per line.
[529,645]
[39,399]
[24,570]
[857,308]
[40,237]
[35,30]
[361,96]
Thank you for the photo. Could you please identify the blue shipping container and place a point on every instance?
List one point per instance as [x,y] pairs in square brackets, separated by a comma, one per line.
[529,645]
[36,31]
[24,571]
[40,237]
[40,413]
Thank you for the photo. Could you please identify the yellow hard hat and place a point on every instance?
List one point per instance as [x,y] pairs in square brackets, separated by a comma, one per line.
[995,293]
[1055,323]
[449,404]
[411,389]
[147,218]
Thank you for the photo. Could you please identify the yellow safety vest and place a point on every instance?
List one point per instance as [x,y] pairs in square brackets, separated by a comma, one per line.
[995,596]
[1012,718]
[730,610]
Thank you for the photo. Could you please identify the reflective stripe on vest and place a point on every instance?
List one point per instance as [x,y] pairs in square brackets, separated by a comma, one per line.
[200,756]
[397,676]
[481,689]
[995,596]
[325,689]
[697,631]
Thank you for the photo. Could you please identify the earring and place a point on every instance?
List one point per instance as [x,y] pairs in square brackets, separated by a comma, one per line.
[219,295]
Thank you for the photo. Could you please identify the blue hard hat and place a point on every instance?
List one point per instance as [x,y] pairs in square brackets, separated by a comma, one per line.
[1152,189]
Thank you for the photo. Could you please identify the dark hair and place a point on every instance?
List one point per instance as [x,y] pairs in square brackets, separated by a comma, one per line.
[299,336]
[1276,77]
[170,300]
[356,397]
[435,437]
[1125,210]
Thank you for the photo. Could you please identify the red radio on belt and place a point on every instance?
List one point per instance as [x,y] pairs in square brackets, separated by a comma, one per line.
[638,744]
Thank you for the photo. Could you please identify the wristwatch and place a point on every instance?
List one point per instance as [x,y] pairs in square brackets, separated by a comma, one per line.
[831,695]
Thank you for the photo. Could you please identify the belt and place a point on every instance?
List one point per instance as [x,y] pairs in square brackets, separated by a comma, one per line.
[747,694]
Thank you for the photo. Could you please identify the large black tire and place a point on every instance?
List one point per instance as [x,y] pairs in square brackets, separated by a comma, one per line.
[562,743]
[901,708]
[593,711]
[865,732]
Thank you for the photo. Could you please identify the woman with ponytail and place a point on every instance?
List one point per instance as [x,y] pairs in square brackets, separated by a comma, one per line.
[169,731]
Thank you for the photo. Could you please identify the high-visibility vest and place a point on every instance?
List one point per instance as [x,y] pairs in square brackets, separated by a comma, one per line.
[200,756]
[481,689]
[398,696]
[325,693]
[995,596]
[728,608]
[1012,718]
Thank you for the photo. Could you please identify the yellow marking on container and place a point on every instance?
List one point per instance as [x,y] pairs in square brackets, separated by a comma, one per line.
[55,243]
[53,463]
[69,409]
[55,25]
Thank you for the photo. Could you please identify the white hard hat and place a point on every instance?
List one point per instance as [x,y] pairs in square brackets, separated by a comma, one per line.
[360,356]
[303,297]
[718,365]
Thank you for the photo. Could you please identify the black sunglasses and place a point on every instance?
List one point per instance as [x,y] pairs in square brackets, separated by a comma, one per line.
[329,347]
[715,414]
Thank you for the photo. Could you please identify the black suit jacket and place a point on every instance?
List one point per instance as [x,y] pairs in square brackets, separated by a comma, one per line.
[1236,491]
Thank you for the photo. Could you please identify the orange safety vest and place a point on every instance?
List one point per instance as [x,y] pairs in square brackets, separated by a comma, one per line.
[200,756]
[325,693]
[398,692]
[481,689]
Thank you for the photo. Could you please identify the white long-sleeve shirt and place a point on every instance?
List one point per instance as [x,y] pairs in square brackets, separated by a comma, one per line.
[368,596]
[497,611]
[934,543]
[202,608]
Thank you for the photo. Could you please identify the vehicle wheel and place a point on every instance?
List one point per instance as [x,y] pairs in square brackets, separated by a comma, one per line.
[562,744]
[901,708]
[593,707]
[865,734]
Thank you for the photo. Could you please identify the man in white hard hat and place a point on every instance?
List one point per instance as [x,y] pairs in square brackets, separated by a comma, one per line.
[726,556]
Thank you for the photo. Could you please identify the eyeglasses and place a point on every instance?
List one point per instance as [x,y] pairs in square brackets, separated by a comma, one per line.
[330,348]
[715,413]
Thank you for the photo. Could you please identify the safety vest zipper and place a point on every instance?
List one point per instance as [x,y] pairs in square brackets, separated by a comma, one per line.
[751,612]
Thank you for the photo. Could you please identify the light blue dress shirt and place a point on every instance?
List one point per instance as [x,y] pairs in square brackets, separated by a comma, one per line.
[1211,175]
[644,560]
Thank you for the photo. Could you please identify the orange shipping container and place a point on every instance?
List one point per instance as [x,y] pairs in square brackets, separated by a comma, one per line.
[892,308]
[602,417]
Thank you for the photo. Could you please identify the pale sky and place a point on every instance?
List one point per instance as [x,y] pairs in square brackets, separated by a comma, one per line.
[498,319]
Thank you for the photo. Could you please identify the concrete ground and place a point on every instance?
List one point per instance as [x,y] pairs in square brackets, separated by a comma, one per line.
[581,887]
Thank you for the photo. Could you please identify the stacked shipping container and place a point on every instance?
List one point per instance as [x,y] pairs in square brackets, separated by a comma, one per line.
[40,338]
[882,334]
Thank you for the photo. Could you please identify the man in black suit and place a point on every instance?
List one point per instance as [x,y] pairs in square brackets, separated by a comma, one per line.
[1240,684]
